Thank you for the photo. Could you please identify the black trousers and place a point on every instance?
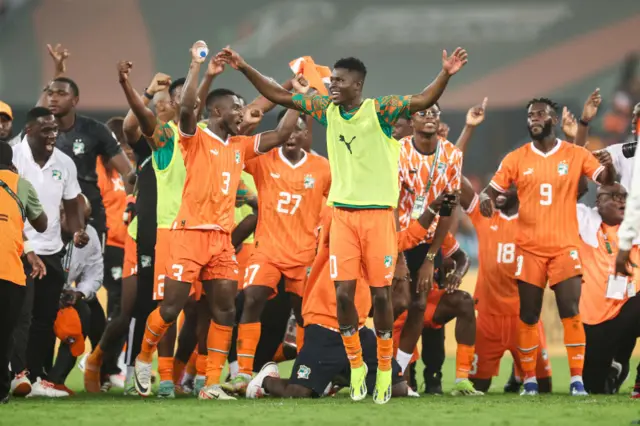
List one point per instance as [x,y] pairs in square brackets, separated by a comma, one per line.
[18,344]
[11,299]
[44,309]
[113,260]
[65,361]
[605,341]
[432,339]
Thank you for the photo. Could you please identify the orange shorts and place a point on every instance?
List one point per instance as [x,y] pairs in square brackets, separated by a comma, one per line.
[263,271]
[433,299]
[496,334]
[163,238]
[363,242]
[130,264]
[538,270]
[243,258]
[199,255]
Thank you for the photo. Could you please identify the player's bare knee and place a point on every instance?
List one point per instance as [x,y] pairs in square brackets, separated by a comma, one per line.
[465,303]
[297,391]
[380,300]
[169,312]
[529,317]
[418,303]
[343,298]
[567,307]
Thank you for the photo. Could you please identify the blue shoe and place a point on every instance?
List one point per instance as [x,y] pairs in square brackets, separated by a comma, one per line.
[530,389]
[577,389]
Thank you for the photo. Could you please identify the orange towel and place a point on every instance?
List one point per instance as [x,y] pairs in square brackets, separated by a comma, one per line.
[316,75]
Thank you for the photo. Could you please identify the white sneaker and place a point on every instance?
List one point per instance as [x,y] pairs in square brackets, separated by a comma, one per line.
[214,392]
[117,380]
[411,393]
[142,377]
[83,361]
[21,385]
[46,389]
[254,389]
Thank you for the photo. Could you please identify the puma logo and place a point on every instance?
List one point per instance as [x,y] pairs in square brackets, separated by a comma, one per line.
[347,144]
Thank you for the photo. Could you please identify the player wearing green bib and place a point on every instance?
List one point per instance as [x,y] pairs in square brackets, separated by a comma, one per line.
[364,168]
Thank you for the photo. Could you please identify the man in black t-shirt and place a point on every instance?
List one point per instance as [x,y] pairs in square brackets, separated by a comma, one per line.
[83,139]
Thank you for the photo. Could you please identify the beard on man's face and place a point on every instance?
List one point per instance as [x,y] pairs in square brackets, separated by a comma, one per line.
[546,131]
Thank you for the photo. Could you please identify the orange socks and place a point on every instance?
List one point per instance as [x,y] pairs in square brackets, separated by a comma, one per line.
[575,342]
[385,352]
[96,356]
[354,349]
[201,365]
[279,355]
[528,342]
[165,368]
[464,359]
[155,329]
[248,338]
[218,343]
[299,338]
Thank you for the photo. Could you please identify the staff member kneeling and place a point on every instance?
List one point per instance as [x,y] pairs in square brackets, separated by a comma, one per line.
[610,311]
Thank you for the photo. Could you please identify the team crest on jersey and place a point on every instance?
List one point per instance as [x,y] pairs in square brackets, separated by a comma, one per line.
[78,147]
[573,254]
[309,182]
[145,261]
[388,261]
[116,272]
[304,372]
[56,174]
[441,168]
[308,271]
[237,157]
[563,168]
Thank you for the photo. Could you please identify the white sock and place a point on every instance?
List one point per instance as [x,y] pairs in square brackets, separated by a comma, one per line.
[234,369]
[576,379]
[531,380]
[201,378]
[129,373]
[403,359]
[518,379]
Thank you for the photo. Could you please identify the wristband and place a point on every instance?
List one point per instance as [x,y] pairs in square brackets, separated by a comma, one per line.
[27,248]
[584,123]
[148,95]
[430,257]
[431,211]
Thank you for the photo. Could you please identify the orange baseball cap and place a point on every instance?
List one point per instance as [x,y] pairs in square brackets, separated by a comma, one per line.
[68,329]
[6,109]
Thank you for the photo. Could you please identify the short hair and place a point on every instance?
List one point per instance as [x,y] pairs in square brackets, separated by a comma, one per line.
[284,111]
[216,94]
[6,154]
[352,64]
[115,124]
[37,112]
[74,87]
[175,84]
[554,106]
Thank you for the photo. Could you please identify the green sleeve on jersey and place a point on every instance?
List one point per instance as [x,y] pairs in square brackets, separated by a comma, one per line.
[390,109]
[29,197]
[313,105]
[164,140]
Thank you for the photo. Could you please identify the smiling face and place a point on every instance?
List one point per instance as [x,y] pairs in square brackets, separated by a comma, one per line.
[427,122]
[228,109]
[345,86]
[541,119]
[44,131]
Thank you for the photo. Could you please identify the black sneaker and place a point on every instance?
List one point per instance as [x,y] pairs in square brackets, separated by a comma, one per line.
[433,385]
[4,400]
[413,382]
[512,385]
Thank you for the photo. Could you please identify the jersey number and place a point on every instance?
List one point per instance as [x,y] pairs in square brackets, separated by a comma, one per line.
[545,194]
[285,200]
[250,274]
[506,252]
[226,180]
[160,292]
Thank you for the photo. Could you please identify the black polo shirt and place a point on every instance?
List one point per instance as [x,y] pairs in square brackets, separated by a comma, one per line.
[84,142]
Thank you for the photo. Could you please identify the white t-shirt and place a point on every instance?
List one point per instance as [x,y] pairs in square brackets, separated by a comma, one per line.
[54,182]
[623,165]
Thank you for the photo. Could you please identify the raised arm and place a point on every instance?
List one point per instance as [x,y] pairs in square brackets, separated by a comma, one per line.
[214,69]
[146,120]
[59,55]
[131,125]
[188,117]
[475,116]
[430,95]
[266,86]
[588,113]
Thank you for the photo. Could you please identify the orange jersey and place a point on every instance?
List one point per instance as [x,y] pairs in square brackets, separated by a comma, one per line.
[319,300]
[289,205]
[114,199]
[427,176]
[213,174]
[547,189]
[496,291]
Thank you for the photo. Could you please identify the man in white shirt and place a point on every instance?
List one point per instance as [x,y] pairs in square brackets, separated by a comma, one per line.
[53,175]
[622,164]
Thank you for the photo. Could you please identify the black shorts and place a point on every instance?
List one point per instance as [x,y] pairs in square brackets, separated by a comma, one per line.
[323,357]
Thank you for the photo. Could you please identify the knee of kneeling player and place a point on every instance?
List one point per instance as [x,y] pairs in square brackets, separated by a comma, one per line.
[465,303]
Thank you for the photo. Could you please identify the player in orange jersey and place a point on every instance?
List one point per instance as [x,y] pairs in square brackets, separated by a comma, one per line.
[292,185]
[429,167]
[323,357]
[201,247]
[547,172]
[496,292]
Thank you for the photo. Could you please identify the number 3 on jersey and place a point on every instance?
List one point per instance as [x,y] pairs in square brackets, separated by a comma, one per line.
[546,194]
[285,200]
